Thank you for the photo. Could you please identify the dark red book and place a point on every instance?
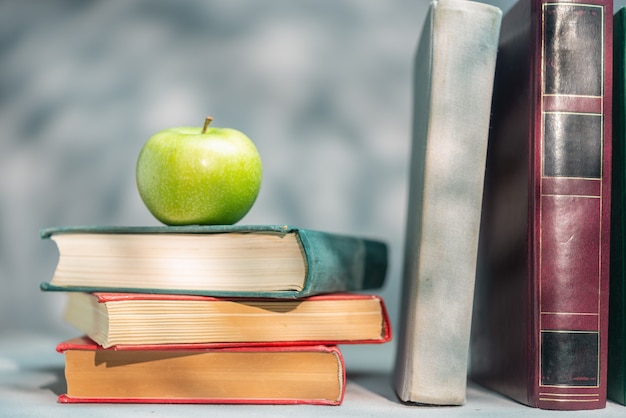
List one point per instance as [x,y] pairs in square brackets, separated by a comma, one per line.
[539,332]
[236,375]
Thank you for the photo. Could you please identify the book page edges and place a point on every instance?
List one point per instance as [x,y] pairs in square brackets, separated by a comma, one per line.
[84,343]
[334,262]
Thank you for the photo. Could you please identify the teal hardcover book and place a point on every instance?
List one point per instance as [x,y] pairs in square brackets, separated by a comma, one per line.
[274,261]
[616,381]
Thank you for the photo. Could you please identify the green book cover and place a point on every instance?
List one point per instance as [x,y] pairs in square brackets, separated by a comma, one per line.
[148,262]
[616,389]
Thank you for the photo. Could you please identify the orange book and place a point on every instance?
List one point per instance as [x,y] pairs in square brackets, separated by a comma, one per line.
[236,375]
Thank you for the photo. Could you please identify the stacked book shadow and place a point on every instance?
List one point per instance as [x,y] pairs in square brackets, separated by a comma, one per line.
[215,314]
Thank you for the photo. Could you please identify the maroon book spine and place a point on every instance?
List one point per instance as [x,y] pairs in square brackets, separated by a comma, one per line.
[571,205]
[548,262]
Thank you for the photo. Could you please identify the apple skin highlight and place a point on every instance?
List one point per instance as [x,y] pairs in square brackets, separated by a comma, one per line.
[199,176]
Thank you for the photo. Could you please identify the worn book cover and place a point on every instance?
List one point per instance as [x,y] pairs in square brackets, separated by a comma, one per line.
[242,375]
[136,319]
[453,80]
[540,315]
[274,261]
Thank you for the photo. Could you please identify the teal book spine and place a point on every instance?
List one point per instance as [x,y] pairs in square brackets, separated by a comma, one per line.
[616,382]
[334,262]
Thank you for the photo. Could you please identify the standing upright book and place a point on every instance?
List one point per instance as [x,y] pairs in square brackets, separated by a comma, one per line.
[454,70]
[234,260]
[539,332]
[616,383]
[313,374]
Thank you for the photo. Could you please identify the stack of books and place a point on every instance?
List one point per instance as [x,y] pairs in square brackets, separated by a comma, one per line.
[215,314]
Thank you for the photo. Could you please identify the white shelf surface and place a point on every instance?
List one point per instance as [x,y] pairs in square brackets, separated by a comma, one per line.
[31,377]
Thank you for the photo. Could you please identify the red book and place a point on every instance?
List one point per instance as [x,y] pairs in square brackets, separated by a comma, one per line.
[540,316]
[236,375]
[136,319]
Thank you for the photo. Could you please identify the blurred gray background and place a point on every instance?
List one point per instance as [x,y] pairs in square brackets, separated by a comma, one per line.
[323,87]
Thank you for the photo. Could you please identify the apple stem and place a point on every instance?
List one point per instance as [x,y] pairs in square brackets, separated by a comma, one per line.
[207,121]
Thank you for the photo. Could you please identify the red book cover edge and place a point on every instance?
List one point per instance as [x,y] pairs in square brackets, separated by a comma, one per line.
[386,333]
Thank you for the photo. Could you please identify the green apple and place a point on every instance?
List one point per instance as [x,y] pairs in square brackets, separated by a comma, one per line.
[199,175]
